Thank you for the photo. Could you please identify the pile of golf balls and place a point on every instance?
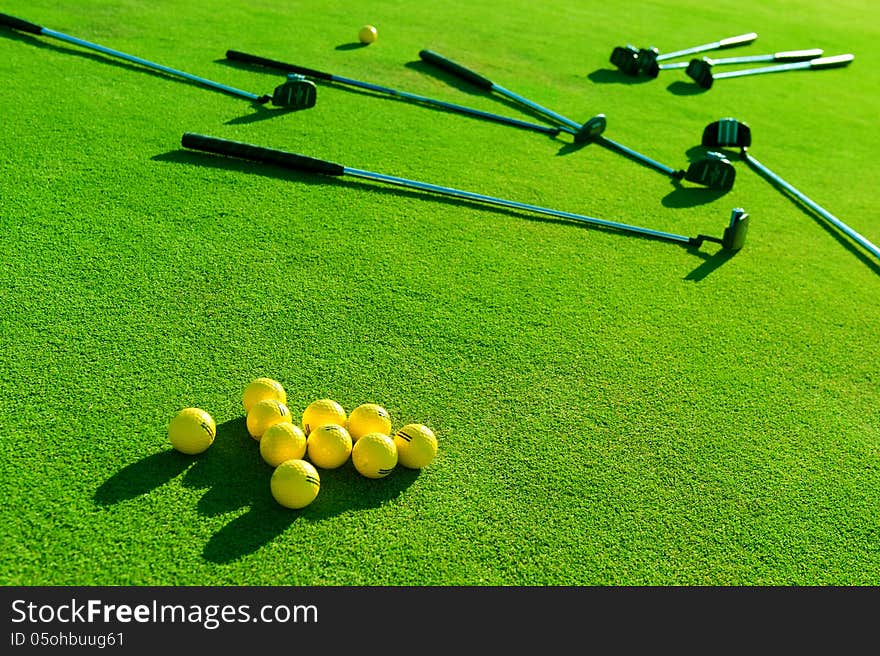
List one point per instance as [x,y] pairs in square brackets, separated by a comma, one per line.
[326,437]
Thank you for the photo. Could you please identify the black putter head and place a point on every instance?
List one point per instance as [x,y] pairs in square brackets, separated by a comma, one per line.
[296,93]
[727,132]
[714,171]
[591,130]
[700,71]
[625,59]
[647,61]
[735,234]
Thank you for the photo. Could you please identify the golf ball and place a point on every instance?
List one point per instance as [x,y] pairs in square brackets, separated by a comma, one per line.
[281,442]
[368,34]
[295,483]
[262,388]
[368,418]
[328,446]
[192,431]
[266,413]
[321,412]
[416,446]
[374,455]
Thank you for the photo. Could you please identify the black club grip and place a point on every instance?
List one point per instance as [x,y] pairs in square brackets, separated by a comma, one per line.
[456,69]
[272,63]
[260,154]
[19,24]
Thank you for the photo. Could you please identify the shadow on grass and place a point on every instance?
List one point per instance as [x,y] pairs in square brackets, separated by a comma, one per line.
[711,263]
[682,88]
[615,76]
[352,45]
[120,63]
[235,477]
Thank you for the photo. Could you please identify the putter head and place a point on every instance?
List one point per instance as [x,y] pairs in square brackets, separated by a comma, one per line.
[700,71]
[625,59]
[647,60]
[296,93]
[726,133]
[591,129]
[735,234]
[714,171]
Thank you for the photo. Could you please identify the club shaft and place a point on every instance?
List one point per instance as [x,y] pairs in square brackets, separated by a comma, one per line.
[748,59]
[538,108]
[813,205]
[149,64]
[491,200]
[445,105]
[725,43]
[614,145]
[823,62]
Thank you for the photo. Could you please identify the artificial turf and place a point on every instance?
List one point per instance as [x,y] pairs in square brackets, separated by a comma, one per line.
[610,409]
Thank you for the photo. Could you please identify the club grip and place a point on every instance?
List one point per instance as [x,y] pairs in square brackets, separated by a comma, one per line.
[19,24]
[456,69]
[831,62]
[798,55]
[272,63]
[737,40]
[260,154]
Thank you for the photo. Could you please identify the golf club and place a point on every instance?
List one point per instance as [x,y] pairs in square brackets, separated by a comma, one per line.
[294,94]
[732,240]
[729,132]
[633,61]
[318,75]
[787,56]
[704,77]
[716,173]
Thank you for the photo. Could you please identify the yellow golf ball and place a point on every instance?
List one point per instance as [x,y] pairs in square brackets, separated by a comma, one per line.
[416,446]
[262,388]
[374,455]
[321,412]
[281,442]
[368,418]
[368,34]
[192,431]
[295,483]
[266,413]
[328,446]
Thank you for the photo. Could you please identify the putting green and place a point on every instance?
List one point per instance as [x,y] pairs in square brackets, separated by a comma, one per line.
[610,409]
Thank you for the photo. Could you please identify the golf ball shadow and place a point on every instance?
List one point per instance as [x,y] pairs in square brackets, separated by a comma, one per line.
[235,477]
[142,477]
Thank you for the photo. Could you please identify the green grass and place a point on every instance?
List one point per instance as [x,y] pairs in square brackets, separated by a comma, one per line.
[611,410]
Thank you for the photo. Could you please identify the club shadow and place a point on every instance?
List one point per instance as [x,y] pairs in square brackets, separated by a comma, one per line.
[682,88]
[244,166]
[141,477]
[615,76]
[684,196]
[112,61]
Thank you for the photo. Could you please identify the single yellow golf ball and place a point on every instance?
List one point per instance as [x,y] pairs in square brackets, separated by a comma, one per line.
[374,455]
[266,413]
[368,34]
[262,388]
[368,418]
[328,446]
[295,484]
[192,431]
[281,442]
[416,446]
[321,412]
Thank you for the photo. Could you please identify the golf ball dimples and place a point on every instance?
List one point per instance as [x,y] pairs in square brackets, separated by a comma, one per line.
[281,442]
[266,413]
[368,34]
[328,446]
[262,388]
[368,418]
[374,455]
[295,483]
[416,446]
[321,412]
[192,431]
